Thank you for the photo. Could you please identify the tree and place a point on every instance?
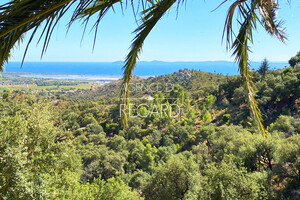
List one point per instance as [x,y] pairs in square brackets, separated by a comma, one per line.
[293,61]
[226,181]
[209,101]
[176,179]
[288,166]
[264,68]
[101,161]
[94,128]
[29,152]
[148,156]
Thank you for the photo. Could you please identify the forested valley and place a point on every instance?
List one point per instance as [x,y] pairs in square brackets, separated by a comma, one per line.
[71,145]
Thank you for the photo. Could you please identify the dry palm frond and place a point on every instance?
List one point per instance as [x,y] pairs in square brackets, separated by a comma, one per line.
[268,11]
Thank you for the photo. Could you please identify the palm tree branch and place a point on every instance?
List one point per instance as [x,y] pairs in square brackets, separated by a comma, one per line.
[268,11]
[18,17]
[151,16]
[34,17]
[241,52]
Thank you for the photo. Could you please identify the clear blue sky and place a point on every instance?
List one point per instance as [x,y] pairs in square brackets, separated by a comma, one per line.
[194,36]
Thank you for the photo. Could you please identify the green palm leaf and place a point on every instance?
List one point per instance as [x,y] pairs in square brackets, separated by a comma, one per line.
[18,17]
[241,49]
[151,16]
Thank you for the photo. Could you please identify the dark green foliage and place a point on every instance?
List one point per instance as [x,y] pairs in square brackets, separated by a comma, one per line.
[226,181]
[226,118]
[174,180]
[264,68]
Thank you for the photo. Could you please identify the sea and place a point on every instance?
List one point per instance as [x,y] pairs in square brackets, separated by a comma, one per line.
[115,69]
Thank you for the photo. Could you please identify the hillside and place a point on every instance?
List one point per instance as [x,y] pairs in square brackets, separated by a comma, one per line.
[70,144]
[191,80]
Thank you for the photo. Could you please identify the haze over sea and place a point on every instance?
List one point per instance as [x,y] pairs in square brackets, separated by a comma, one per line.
[143,68]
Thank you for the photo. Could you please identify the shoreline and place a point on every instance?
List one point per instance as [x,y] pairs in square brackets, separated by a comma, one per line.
[68,76]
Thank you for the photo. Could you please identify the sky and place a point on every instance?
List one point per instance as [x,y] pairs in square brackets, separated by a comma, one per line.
[194,35]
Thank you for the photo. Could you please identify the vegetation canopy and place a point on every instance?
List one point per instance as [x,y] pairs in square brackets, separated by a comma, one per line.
[66,143]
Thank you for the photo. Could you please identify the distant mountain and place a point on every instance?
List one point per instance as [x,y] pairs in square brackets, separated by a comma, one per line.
[143,68]
[119,62]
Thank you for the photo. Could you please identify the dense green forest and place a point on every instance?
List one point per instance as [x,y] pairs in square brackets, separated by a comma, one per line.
[71,144]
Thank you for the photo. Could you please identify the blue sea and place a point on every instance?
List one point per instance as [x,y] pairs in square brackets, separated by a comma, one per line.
[143,68]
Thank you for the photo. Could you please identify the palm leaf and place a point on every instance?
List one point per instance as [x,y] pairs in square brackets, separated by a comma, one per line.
[241,51]
[268,11]
[150,18]
[101,7]
[18,17]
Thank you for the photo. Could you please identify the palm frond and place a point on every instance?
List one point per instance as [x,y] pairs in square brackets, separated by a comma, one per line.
[241,51]
[268,11]
[228,22]
[246,10]
[150,18]
[101,7]
[18,17]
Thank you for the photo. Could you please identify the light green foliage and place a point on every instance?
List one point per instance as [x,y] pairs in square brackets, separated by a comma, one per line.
[88,119]
[143,112]
[148,156]
[139,179]
[97,138]
[135,156]
[288,166]
[184,135]
[209,101]
[239,96]
[117,143]
[205,132]
[191,116]
[94,128]
[71,119]
[206,117]
[27,143]
[113,189]
[283,124]
[254,151]
[101,161]
[134,132]
[178,93]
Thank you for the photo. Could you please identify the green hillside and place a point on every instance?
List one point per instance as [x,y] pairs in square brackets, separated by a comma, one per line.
[70,144]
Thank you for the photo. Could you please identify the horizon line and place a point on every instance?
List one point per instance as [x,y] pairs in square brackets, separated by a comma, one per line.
[142,61]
